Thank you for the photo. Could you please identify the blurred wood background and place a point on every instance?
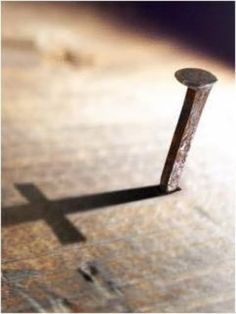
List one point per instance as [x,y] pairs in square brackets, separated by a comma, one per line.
[89,107]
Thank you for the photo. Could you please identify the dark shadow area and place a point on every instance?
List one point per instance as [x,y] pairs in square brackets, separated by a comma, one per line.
[54,211]
[206,26]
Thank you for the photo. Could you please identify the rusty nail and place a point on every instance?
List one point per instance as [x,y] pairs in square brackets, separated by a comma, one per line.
[199,83]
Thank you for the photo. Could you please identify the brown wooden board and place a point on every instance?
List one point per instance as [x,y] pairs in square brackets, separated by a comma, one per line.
[89,109]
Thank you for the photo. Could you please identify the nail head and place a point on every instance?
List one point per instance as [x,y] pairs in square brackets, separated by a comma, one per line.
[195,78]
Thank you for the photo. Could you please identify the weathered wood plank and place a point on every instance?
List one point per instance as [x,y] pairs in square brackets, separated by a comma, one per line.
[90,109]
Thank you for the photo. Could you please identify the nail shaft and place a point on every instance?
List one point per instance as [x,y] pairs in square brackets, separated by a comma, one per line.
[199,84]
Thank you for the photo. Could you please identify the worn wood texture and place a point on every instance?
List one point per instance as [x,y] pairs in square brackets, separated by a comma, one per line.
[90,108]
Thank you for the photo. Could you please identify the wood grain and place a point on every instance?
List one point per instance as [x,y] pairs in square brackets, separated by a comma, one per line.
[90,108]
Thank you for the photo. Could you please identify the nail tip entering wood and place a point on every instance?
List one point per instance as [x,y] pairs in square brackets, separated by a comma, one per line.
[166,189]
[195,78]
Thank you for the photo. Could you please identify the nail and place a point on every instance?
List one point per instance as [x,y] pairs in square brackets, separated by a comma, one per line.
[199,83]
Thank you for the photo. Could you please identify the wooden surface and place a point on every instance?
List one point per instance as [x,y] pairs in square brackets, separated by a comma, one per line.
[90,107]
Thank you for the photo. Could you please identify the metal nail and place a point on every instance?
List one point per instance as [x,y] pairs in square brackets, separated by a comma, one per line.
[199,83]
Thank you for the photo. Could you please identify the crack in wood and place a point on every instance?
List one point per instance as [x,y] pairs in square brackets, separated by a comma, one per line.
[101,280]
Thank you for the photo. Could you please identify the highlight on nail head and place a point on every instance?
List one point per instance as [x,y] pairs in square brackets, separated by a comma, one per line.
[195,78]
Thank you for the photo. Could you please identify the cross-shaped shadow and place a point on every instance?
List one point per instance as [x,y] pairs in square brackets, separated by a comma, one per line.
[54,211]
